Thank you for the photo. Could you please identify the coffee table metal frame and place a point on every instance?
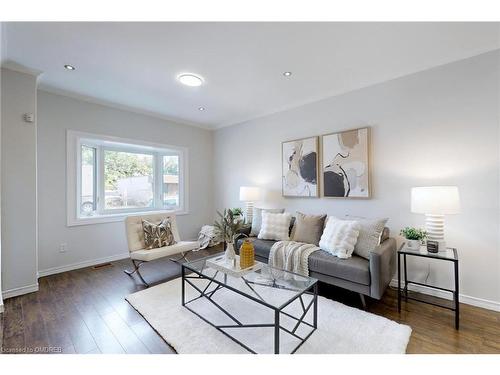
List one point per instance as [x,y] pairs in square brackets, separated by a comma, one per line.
[187,276]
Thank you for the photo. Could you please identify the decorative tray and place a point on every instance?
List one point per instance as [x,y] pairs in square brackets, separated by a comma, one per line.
[221,264]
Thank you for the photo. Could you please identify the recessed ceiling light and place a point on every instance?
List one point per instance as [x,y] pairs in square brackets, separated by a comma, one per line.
[190,79]
[287,74]
[201,108]
[69,67]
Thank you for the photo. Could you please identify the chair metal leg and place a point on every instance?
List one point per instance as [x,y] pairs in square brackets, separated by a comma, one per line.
[182,257]
[363,301]
[136,269]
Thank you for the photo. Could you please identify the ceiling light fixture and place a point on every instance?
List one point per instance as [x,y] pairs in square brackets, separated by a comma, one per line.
[201,108]
[190,79]
[287,74]
[69,67]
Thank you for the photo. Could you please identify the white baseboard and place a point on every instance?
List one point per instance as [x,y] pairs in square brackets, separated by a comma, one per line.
[474,301]
[87,263]
[19,291]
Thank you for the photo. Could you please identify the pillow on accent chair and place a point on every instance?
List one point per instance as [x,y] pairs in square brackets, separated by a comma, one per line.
[257,218]
[308,228]
[158,235]
[339,237]
[275,226]
[370,235]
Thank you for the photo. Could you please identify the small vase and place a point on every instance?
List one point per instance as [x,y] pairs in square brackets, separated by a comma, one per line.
[230,255]
[247,255]
[413,244]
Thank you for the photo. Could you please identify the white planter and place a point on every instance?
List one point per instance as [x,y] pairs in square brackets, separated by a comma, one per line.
[413,244]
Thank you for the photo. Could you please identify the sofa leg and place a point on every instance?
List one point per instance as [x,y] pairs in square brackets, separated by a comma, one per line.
[136,269]
[363,301]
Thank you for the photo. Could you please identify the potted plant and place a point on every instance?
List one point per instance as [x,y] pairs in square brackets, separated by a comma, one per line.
[414,237]
[227,226]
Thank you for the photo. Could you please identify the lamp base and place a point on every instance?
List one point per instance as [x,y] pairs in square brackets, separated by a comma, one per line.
[434,226]
[249,212]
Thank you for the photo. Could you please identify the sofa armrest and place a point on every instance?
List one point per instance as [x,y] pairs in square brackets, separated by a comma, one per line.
[382,267]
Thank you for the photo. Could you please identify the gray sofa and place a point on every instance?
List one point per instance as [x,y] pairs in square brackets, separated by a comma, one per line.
[368,277]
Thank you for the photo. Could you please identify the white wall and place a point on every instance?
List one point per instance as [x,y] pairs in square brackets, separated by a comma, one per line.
[435,127]
[18,191]
[91,243]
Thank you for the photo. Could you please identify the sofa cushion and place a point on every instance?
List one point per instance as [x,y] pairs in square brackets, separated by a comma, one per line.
[355,268]
[179,247]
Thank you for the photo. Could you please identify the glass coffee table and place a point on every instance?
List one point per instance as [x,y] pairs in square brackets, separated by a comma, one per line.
[267,310]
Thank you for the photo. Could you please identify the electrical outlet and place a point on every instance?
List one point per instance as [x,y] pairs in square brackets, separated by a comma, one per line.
[63,247]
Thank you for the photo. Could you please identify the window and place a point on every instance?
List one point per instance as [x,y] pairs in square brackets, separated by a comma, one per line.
[115,177]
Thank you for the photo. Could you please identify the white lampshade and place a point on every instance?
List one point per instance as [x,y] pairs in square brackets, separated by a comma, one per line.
[435,200]
[249,194]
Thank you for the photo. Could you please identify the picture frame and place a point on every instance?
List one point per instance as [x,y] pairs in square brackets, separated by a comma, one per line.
[300,168]
[346,164]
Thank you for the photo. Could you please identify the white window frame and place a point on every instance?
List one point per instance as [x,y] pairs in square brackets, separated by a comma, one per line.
[75,139]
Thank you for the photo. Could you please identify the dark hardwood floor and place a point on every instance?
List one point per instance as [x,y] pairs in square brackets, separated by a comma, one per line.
[84,311]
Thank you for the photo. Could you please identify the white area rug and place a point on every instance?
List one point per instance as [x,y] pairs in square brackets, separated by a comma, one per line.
[341,329]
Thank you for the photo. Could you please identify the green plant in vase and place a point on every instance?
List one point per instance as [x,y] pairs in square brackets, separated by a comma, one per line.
[228,227]
[414,237]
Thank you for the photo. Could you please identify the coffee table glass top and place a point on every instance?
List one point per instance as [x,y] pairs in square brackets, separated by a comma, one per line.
[269,286]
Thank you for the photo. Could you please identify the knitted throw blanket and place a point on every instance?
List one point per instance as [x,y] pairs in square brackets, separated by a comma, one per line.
[291,256]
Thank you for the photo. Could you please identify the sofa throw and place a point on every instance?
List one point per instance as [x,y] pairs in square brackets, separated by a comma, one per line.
[275,227]
[339,237]
[291,256]
[158,235]
[257,218]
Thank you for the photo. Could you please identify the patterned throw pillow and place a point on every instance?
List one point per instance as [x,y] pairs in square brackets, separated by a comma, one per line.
[158,235]
[370,235]
[275,226]
[339,237]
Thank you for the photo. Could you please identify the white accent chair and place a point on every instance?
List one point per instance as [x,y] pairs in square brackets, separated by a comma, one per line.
[136,245]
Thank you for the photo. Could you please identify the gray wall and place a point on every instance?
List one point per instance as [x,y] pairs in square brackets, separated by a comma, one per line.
[19,218]
[90,243]
[435,127]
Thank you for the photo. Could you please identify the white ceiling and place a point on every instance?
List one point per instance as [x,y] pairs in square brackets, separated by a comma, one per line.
[136,64]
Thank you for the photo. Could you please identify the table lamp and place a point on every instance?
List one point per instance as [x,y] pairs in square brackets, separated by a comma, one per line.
[435,202]
[249,195]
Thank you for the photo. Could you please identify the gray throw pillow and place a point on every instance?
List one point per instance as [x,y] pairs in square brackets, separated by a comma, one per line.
[257,218]
[370,234]
[308,228]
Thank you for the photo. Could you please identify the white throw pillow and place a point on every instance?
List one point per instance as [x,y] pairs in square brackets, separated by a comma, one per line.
[339,237]
[275,226]
[257,218]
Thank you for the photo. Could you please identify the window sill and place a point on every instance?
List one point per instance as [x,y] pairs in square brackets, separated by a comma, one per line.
[112,218]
